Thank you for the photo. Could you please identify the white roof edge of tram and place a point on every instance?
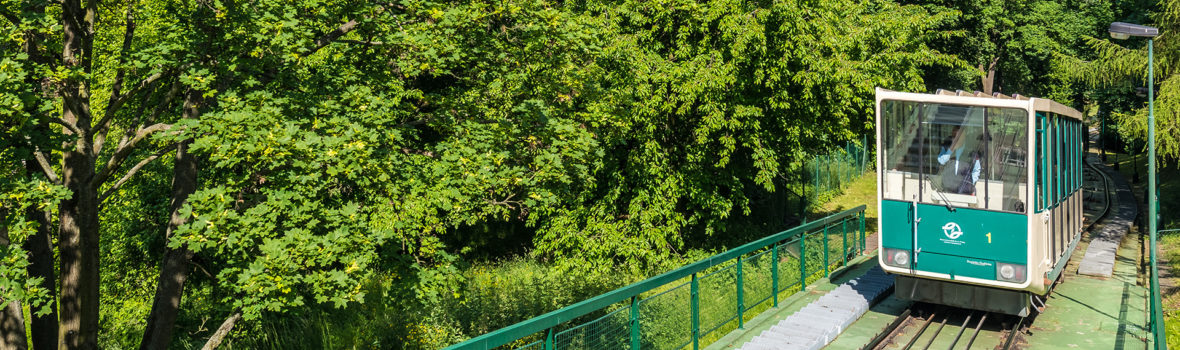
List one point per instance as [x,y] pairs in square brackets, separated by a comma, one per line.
[979,98]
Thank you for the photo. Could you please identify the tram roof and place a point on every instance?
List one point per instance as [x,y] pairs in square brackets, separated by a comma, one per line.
[980,99]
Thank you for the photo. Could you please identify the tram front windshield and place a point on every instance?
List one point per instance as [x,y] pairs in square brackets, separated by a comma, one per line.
[958,155]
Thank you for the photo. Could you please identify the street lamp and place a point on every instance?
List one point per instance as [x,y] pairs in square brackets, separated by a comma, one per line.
[1121,30]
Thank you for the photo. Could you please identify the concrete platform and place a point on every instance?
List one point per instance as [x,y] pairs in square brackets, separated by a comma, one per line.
[1087,312]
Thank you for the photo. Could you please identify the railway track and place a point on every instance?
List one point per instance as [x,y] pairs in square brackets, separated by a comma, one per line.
[1091,177]
[927,326]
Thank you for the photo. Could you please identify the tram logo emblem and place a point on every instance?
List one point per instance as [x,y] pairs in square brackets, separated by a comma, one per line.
[952,230]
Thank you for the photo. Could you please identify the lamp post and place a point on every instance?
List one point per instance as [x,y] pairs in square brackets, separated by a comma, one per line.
[1121,30]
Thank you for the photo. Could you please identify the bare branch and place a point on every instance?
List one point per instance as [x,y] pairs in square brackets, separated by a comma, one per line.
[117,88]
[116,103]
[333,35]
[124,151]
[166,101]
[226,326]
[358,42]
[131,172]
[43,161]
[73,128]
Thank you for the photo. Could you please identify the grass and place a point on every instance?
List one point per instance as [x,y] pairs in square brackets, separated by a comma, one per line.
[862,190]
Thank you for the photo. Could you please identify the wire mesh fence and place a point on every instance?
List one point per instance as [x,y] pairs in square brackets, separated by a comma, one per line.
[667,316]
[611,331]
[823,177]
[829,173]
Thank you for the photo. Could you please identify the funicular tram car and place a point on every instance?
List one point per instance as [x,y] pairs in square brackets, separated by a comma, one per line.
[978,196]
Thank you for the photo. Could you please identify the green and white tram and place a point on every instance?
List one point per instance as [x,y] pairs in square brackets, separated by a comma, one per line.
[978,195]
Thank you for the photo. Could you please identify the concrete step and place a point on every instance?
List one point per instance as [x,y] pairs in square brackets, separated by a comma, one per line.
[821,321]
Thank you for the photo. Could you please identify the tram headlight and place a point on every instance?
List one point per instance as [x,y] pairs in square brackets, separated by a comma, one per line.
[897,257]
[1010,272]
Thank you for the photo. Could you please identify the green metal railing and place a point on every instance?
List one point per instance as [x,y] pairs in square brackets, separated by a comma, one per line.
[697,303]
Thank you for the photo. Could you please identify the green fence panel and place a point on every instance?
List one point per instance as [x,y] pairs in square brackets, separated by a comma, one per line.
[757,280]
[666,319]
[611,331]
[718,299]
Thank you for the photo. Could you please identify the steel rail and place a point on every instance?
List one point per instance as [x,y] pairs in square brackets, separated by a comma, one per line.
[976,332]
[941,325]
[921,330]
[1012,334]
[961,329]
[1106,189]
[890,330]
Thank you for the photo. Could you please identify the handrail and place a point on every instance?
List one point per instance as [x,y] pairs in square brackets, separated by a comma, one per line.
[555,318]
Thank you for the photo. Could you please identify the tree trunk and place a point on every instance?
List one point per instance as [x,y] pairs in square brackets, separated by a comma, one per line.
[219,335]
[12,327]
[43,328]
[989,75]
[12,321]
[78,247]
[174,269]
[78,230]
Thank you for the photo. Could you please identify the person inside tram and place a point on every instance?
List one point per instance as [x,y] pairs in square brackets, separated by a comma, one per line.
[960,166]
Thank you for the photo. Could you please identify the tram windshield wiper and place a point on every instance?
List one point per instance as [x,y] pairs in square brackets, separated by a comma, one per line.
[945,201]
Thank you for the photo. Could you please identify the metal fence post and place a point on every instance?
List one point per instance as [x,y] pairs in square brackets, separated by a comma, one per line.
[549,345]
[862,232]
[694,291]
[816,189]
[825,237]
[844,236]
[635,322]
[864,153]
[774,274]
[740,300]
[802,261]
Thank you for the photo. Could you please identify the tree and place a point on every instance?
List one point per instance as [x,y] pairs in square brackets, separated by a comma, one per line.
[1120,67]
[1012,44]
[719,99]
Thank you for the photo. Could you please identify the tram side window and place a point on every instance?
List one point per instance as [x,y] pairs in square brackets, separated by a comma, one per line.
[1039,162]
[1008,171]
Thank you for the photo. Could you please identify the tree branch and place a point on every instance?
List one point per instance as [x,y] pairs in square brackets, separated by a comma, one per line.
[117,88]
[219,335]
[328,37]
[45,167]
[124,151]
[131,172]
[73,128]
[117,102]
[358,42]
[11,18]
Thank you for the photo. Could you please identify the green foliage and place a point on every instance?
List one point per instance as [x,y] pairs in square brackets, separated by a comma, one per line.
[21,113]
[346,148]
[18,194]
[1021,39]
[1121,68]
[725,97]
